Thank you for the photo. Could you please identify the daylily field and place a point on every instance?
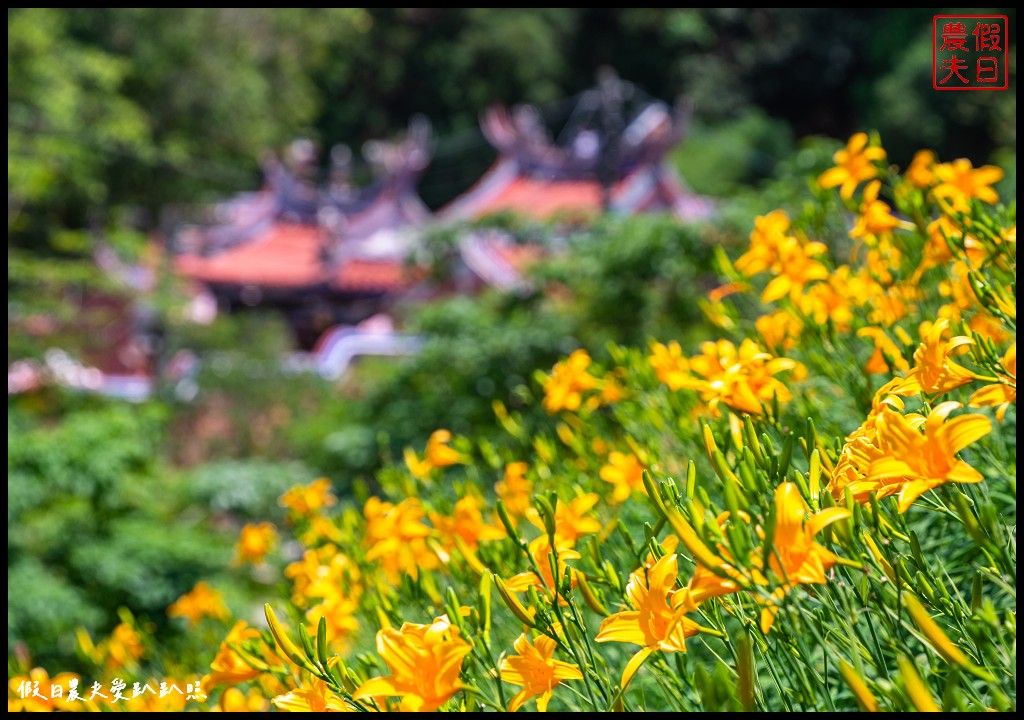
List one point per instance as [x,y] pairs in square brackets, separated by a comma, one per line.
[814,508]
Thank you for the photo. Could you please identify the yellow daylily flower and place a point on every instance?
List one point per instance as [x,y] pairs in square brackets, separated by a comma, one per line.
[959,182]
[254,542]
[234,700]
[854,164]
[316,696]
[768,235]
[515,490]
[201,601]
[669,364]
[425,663]
[934,371]
[571,519]
[887,354]
[308,500]
[1003,393]
[229,668]
[922,461]
[569,379]
[467,524]
[397,537]
[796,558]
[625,473]
[921,171]
[658,619]
[534,668]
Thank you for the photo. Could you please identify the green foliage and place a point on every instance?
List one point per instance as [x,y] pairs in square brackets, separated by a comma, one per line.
[631,279]
[44,609]
[624,280]
[723,158]
[248,488]
[94,523]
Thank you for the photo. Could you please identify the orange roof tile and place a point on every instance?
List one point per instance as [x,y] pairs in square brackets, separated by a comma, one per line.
[285,256]
[541,199]
[371,276]
[290,256]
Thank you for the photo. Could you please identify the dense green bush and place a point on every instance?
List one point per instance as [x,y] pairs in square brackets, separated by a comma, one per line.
[95,522]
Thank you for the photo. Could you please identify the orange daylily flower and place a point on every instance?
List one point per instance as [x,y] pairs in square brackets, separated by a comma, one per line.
[780,330]
[937,251]
[724,291]
[467,524]
[438,452]
[705,584]
[317,569]
[534,668]
[768,235]
[741,378]
[625,472]
[540,549]
[670,366]
[569,379]
[854,164]
[228,667]
[425,663]
[396,536]
[314,697]
[934,371]
[658,619]
[1002,393]
[330,577]
[437,455]
[796,558]
[320,528]
[920,461]
[151,702]
[254,542]
[201,601]
[515,490]
[921,172]
[861,449]
[797,268]
[309,499]
[960,182]
[611,391]
[234,700]
[124,646]
[887,354]
[876,218]
[420,469]
[339,613]
[571,520]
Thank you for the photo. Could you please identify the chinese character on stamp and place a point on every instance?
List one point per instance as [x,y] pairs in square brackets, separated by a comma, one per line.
[969,52]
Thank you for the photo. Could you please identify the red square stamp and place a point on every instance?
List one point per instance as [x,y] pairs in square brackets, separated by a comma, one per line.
[969,52]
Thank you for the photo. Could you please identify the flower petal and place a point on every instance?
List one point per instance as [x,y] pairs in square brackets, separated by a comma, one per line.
[622,627]
[632,666]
